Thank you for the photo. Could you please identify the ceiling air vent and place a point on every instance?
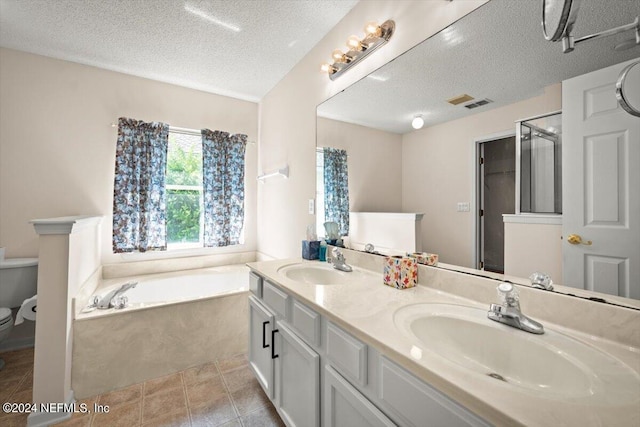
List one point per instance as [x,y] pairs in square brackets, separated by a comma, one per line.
[460,99]
[478,104]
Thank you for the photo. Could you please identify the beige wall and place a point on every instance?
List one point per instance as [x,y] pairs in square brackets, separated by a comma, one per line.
[374,162]
[57,148]
[441,159]
[288,111]
[533,247]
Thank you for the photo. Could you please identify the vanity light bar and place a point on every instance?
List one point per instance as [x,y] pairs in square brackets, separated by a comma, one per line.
[377,35]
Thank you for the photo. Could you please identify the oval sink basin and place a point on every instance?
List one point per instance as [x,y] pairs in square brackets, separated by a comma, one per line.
[552,364]
[322,274]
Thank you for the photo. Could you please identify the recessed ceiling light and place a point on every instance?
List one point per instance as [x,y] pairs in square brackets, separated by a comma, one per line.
[417,122]
[204,15]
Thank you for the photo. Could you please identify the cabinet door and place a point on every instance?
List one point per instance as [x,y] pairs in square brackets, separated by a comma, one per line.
[261,322]
[417,404]
[298,379]
[344,405]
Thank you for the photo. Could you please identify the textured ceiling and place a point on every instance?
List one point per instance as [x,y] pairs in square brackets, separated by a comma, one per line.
[230,47]
[496,52]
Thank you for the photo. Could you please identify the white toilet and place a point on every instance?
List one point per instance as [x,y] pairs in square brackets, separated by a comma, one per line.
[18,281]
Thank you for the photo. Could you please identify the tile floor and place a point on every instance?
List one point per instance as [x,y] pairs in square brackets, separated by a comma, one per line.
[223,393]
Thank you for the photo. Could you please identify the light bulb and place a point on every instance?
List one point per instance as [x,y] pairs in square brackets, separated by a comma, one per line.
[337,55]
[372,28]
[328,68]
[417,122]
[354,42]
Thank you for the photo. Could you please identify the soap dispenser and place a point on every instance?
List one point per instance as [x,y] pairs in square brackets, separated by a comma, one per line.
[322,253]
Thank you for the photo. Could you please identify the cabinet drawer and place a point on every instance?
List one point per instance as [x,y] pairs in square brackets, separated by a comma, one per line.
[306,322]
[275,298]
[255,284]
[413,401]
[347,353]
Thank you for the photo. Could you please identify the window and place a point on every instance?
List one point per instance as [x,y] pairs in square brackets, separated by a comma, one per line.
[320,192]
[332,189]
[184,190]
[163,200]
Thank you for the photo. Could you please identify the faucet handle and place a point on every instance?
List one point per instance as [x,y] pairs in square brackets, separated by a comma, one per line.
[496,309]
[337,254]
[541,281]
[120,301]
[508,295]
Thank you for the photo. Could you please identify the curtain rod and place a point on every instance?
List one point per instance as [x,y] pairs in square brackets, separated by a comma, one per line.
[184,131]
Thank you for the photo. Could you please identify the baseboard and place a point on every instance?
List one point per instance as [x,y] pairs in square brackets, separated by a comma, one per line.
[44,419]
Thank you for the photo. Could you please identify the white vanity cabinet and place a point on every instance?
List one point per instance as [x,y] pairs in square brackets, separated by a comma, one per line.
[285,366]
[319,375]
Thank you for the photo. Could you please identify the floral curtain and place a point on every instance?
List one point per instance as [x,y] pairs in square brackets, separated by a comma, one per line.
[223,187]
[336,188]
[139,222]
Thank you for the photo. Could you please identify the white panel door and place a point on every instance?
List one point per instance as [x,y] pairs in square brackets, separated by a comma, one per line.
[601,195]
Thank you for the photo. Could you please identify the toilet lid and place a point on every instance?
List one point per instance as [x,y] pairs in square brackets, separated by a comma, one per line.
[18,262]
[4,314]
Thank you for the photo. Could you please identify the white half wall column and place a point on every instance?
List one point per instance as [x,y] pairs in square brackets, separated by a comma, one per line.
[69,252]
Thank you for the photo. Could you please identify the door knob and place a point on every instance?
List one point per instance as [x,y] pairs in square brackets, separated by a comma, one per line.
[576,239]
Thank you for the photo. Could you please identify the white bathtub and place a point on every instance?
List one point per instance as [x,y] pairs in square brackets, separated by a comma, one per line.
[168,288]
[188,287]
[173,321]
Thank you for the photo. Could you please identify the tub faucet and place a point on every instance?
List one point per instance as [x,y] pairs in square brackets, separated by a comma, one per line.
[509,311]
[115,298]
[339,262]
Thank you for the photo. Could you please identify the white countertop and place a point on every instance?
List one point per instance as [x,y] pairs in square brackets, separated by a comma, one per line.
[367,311]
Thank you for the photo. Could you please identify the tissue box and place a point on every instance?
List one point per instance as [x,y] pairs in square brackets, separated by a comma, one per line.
[310,249]
[425,258]
[400,272]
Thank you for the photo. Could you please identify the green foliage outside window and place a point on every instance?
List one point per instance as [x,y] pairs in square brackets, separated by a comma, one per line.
[184,168]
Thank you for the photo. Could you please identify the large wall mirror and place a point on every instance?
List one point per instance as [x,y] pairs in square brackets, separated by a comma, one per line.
[498,56]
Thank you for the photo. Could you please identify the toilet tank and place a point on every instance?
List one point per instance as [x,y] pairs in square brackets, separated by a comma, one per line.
[18,280]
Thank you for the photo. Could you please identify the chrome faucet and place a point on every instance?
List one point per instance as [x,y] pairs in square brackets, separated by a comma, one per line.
[541,281]
[338,261]
[509,311]
[115,298]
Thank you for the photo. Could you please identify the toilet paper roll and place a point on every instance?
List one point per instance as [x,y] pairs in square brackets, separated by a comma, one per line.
[27,310]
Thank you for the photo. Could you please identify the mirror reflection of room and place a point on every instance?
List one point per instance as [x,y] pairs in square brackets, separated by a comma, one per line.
[519,213]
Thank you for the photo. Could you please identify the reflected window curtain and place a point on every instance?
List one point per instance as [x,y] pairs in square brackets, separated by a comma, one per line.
[336,188]
[223,187]
[139,203]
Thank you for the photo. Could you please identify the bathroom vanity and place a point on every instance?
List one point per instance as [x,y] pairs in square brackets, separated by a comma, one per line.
[331,349]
